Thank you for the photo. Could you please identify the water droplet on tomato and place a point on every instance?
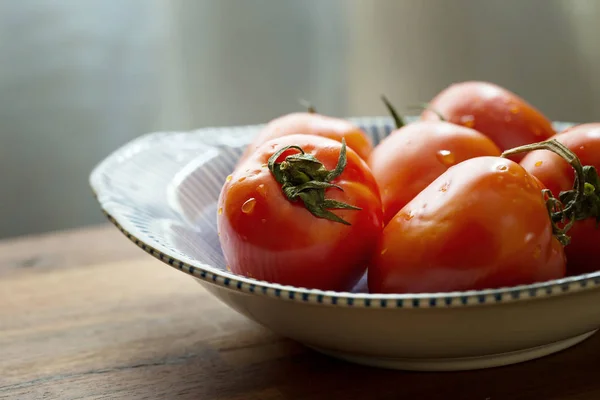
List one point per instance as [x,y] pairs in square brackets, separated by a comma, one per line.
[468,121]
[581,147]
[228,179]
[444,187]
[502,167]
[537,251]
[242,179]
[264,166]
[446,157]
[383,251]
[264,221]
[514,110]
[220,211]
[260,189]
[249,205]
[538,163]
[536,130]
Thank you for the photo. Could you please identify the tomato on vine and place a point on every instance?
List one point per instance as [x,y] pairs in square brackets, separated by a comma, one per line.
[413,155]
[481,224]
[496,112]
[312,123]
[559,177]
[301,210]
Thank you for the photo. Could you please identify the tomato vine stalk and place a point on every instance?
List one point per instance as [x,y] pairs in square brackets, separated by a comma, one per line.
[579,203]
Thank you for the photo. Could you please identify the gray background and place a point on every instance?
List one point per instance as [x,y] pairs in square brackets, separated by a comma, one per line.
[78,78]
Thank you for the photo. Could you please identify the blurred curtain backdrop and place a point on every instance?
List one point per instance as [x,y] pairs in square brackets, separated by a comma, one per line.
[78,78]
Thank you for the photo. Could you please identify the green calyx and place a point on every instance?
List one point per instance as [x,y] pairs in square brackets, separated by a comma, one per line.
[584,202]
[580,203]
[304,177]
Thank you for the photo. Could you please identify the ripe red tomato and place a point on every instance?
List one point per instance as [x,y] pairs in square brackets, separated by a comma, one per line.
[311,123]
[496,112]
[267,236]
[557,175]
[411,157]
[481,224]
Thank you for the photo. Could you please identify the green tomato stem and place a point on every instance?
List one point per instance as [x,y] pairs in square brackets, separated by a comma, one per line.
[304,177]
[397,118]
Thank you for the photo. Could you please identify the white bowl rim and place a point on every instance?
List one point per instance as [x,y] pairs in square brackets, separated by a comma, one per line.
[230,281]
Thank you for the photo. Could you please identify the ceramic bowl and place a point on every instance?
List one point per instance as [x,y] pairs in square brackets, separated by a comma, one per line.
[161,190]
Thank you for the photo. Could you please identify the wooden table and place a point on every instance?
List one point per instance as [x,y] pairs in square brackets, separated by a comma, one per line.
[87,315]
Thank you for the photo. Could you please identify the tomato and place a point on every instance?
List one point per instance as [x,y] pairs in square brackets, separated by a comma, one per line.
[267,231]
[411,157]
[481,224]
[496,112]
[557,175]
[312,123]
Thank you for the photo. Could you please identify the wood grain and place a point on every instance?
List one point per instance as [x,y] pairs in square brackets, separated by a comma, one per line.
[106,321]
[66,249]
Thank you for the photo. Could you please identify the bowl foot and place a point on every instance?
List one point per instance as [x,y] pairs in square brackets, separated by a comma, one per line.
[460,363]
